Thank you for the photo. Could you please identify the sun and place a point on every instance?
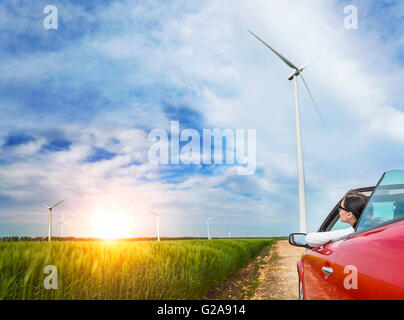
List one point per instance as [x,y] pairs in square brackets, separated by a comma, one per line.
[111,226]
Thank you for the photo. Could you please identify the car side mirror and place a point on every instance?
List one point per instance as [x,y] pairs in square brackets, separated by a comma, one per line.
[298,240]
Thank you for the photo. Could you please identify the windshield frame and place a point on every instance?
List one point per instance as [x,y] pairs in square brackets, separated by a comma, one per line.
[364,210]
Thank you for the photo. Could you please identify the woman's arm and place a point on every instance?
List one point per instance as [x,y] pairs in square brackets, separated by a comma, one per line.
[316,239]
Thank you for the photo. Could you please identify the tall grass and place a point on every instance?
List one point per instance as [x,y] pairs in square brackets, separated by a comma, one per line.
[122,270]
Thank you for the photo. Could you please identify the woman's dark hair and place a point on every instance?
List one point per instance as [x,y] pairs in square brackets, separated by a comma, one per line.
[355,202]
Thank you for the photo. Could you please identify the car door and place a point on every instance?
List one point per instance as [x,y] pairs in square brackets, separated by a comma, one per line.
[318,263]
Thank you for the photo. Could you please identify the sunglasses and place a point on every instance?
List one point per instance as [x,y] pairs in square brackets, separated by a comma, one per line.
[341,207]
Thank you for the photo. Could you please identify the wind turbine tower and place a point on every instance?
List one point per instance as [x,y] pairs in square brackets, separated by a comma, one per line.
[50,208]
[158,224]
[63,224]
[207,224]
[299,150]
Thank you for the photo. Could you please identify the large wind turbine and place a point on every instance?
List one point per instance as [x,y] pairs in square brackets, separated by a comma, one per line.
[50,218]
[207,224]
[299,152]
[158,224]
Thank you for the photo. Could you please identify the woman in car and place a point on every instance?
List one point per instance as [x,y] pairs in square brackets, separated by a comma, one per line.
[350,210]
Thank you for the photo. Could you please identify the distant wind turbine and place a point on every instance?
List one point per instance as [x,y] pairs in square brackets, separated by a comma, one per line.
[207,224]
[158,223]
[50,218]
[300,166]
[63,224]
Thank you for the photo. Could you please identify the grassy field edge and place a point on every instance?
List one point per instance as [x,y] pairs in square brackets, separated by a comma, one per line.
[122,270]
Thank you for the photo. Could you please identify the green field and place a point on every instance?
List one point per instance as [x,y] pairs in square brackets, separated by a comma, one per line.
[183,269]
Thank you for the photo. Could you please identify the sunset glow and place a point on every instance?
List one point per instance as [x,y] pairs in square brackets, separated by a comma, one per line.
[111,226]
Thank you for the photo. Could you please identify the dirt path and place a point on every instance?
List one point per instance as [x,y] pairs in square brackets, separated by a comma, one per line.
[278,279]
[271,276]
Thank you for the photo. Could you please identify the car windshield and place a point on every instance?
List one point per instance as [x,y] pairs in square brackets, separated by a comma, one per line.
[386,203]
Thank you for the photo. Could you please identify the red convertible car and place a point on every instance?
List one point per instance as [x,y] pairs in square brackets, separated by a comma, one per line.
[366,264]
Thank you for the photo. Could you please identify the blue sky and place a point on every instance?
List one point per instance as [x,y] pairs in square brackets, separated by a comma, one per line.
[77,103]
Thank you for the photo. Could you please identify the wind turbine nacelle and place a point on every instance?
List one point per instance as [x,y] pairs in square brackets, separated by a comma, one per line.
[293,74]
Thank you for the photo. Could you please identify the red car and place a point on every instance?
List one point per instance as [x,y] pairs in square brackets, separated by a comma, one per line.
[367,264]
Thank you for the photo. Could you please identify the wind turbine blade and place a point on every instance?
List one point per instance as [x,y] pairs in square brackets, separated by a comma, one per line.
[290,64]
[307,64]
[312,99]
[45,205]
[58,203]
